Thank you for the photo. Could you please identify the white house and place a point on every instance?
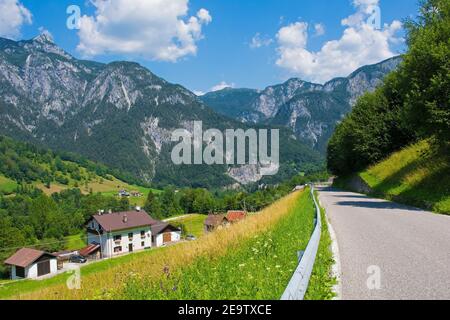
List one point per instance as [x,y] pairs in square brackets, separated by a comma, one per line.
[31,264]
[164,233]
[125,232]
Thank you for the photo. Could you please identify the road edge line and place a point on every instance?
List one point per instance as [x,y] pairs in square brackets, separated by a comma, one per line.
[336,268]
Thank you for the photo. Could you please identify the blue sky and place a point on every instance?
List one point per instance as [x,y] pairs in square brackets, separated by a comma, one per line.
[217,46]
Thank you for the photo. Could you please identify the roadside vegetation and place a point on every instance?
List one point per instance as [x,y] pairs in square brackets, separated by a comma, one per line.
[258,267]
[414,176]
[409,112]
[288,223]
[322,280]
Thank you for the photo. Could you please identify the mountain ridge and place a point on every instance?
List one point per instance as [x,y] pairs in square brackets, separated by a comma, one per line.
[119,113]
[301,105]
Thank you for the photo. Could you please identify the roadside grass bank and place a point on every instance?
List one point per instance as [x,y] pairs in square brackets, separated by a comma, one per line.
[110,278]
[416,176]
[259,267]
[322,280]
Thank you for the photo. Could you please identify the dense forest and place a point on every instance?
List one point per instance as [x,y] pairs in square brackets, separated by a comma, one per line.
[411,105]
[27,163]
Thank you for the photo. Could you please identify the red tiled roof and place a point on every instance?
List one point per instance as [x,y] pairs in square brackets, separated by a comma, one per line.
[124,220]
[234,216]
[25,256]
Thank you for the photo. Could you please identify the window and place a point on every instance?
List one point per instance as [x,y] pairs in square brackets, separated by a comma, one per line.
[142,234]
[118,238]
[142,244]
[130,236]
[117,249]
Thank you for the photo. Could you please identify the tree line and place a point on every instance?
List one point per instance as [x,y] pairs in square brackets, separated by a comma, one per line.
[172,202]
[27,163]
[412,104]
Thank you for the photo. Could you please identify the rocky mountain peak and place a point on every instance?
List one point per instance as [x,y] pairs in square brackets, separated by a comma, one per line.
[44,38]
[311,110]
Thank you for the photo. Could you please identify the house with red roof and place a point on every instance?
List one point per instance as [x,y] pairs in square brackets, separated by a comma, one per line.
[125,232]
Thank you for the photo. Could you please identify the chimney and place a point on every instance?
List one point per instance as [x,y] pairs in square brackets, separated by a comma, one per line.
[110,211]
[99,212]
[138,209]
[125,218]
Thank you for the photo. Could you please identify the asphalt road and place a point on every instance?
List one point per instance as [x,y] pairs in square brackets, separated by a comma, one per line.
[388,251]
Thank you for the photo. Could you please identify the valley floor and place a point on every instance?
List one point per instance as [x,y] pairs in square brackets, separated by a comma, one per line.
[253,259]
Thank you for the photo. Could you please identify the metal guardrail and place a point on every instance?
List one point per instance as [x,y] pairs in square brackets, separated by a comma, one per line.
[298,285]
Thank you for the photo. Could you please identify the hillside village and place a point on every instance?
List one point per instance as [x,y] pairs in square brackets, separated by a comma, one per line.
[110,235]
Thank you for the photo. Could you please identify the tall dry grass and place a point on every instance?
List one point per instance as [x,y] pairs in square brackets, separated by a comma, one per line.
[104,284]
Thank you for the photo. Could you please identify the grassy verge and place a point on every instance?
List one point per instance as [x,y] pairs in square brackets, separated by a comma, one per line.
[417,176]
[108,279]
[256,268]
[322,281]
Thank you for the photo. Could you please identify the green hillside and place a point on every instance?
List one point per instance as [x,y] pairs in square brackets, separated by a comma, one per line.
[23,164]
[416,175]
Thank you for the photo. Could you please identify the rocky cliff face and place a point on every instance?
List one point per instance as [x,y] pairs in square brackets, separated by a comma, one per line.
[310,110]
[118,113]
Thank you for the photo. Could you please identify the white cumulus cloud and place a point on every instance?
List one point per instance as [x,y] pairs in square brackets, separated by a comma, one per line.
[13,15]
[360,44]
[153,29]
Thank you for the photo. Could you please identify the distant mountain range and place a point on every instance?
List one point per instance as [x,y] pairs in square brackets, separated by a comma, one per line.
[311,110]
[120,114]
